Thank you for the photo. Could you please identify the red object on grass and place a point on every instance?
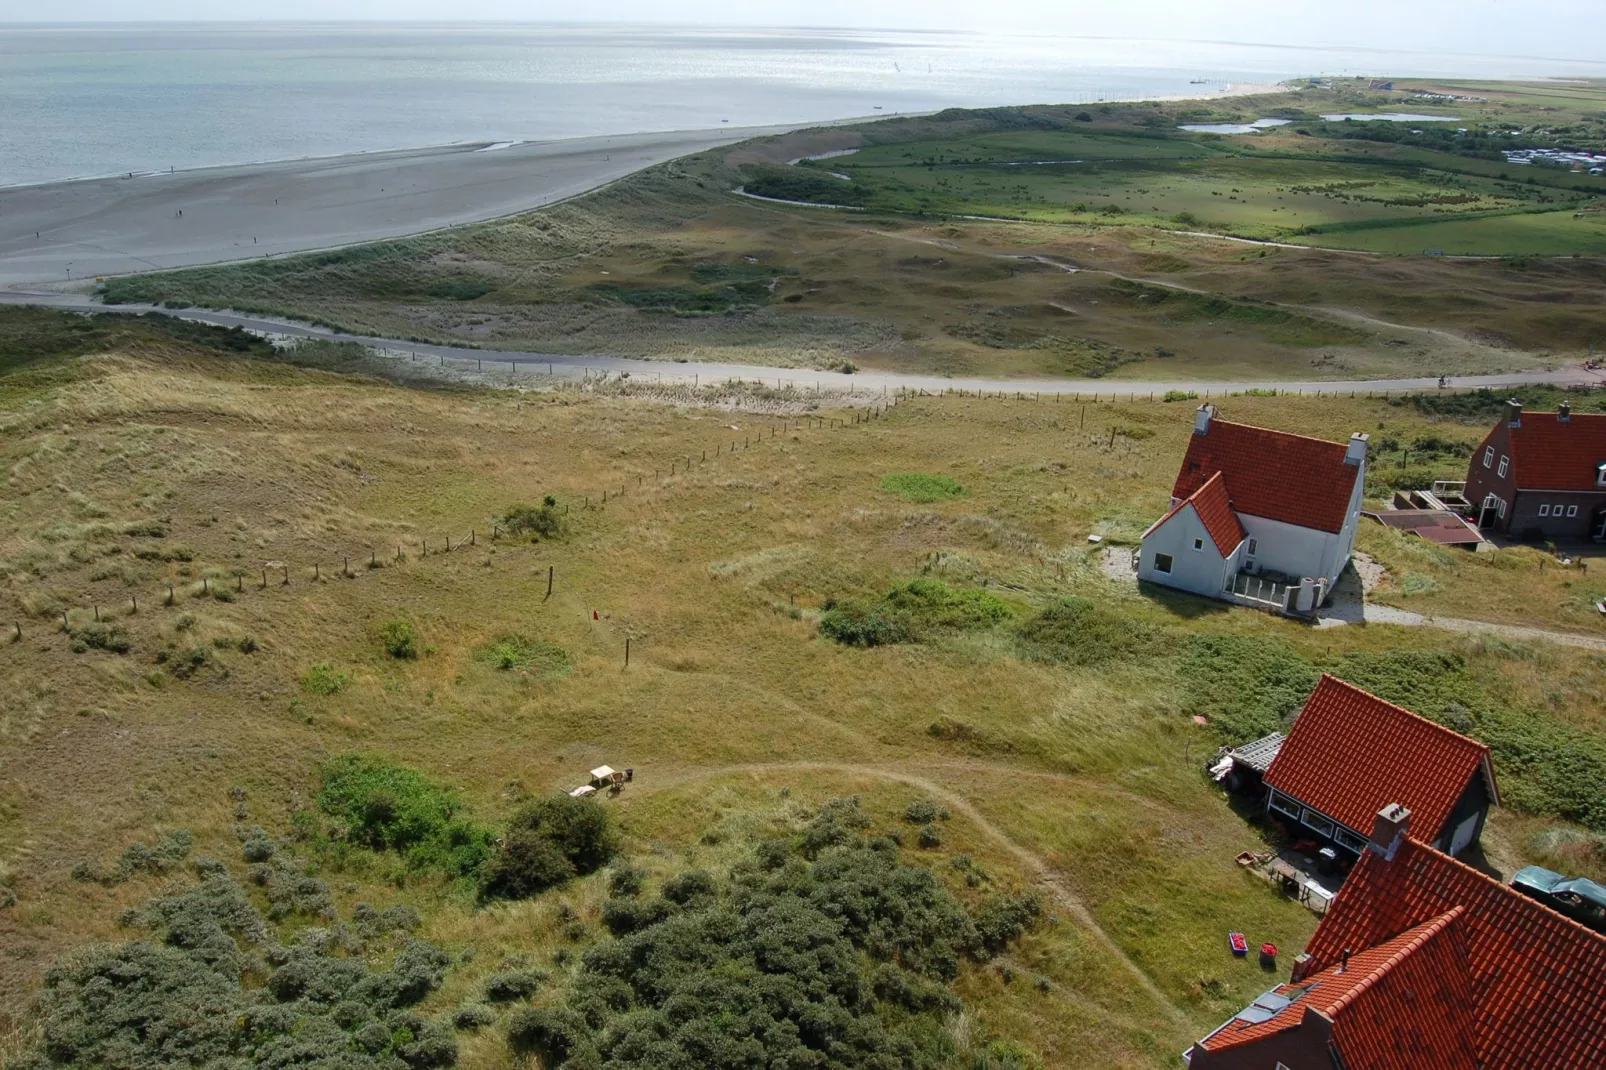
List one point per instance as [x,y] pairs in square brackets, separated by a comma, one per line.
[1240,945]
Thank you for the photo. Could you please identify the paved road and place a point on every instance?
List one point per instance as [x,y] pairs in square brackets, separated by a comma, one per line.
[115,226]
[579,365]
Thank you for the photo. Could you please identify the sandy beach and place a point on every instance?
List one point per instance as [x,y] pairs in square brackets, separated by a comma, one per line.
[63,231]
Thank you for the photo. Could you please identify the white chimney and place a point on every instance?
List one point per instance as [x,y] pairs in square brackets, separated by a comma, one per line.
[1201,419]
[1388,830]
[1356,454]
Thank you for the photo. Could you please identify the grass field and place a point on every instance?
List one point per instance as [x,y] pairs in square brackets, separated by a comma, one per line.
[672,264]
[1064,749]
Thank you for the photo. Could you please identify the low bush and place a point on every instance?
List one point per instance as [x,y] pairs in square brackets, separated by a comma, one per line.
[626,880]
[99,635]
[506,986]
[920,487]
[910,612]
[557,1037]
[519,653]
[384,806]
[322,678]
[471,1016]
[549,841]
[400,639]
[1077,631]
[542,521]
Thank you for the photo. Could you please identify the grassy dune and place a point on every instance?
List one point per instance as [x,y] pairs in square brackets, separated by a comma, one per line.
[1073,769]
[671,263]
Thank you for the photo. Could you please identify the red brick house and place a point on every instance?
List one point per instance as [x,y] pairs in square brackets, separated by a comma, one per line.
[1423,962]
[1350,753]
[1541,475]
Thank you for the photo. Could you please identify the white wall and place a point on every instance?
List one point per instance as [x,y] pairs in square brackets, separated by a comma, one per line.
[1288,549]
[1202,571]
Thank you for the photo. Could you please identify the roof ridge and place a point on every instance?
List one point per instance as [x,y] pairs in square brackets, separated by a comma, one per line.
[1340,446]
[1515,896]
[1477,744]
[1217,474]
[1423,933]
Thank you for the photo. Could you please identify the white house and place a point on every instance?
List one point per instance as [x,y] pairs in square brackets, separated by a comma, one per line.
[1258,516]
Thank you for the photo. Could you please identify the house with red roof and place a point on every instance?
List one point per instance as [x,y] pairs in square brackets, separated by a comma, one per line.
[1350,753]
[1424,962]
[1258,516]
[1542,475]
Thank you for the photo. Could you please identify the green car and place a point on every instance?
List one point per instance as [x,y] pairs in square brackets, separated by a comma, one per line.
[1580,899]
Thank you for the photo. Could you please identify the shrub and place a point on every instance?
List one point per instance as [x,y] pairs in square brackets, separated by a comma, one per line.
[471,1016]
[930,837]
[920,812]
[400,639]
[322,678]
[622,916]
[920,487]
[1076,631]
[518,653]
[690,887]
[1247,686]
[101,635]
[626,880]
[556,1037]
[1179,395]
[855,623]
[536,521]
[508,985]
[911,611]
[1002,919]
[385,806]
[187,663]
[549,841]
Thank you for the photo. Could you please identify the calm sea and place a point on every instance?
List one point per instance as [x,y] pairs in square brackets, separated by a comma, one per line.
[86,100]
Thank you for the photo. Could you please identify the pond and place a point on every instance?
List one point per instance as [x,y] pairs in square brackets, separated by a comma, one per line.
[1391,117]
[1235,128]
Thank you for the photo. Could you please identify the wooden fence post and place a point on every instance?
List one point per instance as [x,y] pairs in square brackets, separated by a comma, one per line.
[627,651]
[286,576]
[170,594]
[550,572]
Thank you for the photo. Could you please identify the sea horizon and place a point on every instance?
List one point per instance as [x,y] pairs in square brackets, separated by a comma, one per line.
[89,99]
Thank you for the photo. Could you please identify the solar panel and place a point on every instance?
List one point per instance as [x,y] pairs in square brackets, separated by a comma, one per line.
[1255,1015]
[1271,1001]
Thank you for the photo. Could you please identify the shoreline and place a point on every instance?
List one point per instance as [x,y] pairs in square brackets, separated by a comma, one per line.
[71,231]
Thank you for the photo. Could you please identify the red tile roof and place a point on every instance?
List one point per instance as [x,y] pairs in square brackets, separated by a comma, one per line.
[1210,501]
[1272,474]
[1404,1004]
[1538,979]
[1350,754]
[1547,454]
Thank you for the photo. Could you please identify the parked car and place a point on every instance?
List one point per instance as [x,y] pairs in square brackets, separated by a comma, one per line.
[1577,897]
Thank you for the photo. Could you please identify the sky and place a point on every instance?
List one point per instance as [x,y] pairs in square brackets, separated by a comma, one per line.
[1561,29]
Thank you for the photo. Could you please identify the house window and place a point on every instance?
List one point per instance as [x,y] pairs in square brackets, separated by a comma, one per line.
[1502,508]
[1572,510]
[1162,563]
[1253,546]
[1318,824]
[1504,462]
[1544,510]
[1284,805]
[1198,544]
[1346,838]
[1488,456]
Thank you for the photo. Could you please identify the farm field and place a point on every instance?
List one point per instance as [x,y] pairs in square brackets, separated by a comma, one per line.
[1025,242]
[1033,730]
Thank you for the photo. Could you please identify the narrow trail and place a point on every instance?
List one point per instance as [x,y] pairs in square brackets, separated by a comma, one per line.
[1043,873]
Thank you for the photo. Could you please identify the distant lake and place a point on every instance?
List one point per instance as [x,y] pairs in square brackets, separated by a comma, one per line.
[1235,128]
[1392,117]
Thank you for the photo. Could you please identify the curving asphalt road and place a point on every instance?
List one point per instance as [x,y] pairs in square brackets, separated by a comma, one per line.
[574,365]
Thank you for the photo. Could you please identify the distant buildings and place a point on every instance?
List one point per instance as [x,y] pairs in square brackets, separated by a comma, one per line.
[1259,517]
[1593,162]
[1541,475]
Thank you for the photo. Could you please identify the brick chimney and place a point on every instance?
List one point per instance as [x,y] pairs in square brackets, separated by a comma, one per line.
[1513,413]
[1388,830]
[1356,454]
[1564,413]
[1201,419]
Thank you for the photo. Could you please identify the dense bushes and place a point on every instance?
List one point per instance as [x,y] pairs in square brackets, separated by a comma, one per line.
[802,184]
[910,612]
[179,996]
[400,639]
[836,962]
[385,806]
[549,841]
